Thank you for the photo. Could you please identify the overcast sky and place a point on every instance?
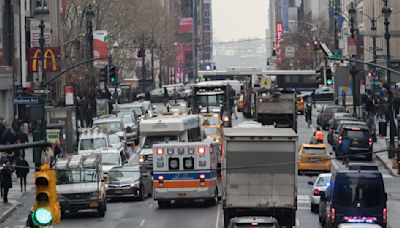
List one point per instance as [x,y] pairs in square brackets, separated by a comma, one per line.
[239,19]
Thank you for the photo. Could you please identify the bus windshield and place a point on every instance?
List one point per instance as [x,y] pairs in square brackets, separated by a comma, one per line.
[210,100]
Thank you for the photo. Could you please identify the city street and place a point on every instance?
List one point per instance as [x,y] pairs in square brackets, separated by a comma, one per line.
[129,213]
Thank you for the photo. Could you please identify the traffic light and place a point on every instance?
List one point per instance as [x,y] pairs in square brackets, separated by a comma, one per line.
[141,53]
[329,79]
[112,73]
[46,210]
[104,74]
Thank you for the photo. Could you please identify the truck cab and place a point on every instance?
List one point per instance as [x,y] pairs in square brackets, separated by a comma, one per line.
[80,184]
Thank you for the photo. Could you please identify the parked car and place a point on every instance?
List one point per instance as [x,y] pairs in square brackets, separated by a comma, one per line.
[129,181]
[314,158]
[326,114]
[322,182]
[258,221]
[361,141]
[334,122]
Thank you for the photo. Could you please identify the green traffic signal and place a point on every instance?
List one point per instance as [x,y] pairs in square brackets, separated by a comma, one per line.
[42,217]
[329,81]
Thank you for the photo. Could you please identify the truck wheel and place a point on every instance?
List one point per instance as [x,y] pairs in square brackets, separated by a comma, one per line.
[214,200]
[101,210]
[163,203]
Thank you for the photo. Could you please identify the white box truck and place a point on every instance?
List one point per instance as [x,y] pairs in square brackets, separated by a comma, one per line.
[260,173]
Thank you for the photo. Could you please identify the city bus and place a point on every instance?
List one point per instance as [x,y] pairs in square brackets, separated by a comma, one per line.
[187,172]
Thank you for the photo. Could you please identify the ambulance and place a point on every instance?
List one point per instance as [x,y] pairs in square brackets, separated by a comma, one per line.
[187,172]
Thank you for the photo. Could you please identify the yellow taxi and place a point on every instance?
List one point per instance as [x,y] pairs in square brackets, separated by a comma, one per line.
[300,104]
[314,158]
[240,103]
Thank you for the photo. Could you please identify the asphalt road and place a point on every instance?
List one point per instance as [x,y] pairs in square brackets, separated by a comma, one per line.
[147,214]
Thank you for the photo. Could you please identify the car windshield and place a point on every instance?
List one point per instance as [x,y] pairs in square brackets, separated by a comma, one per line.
[151,140]
[114,139]
[359,192]
[335,109]
[72,176]
[122,174]
[210,100]
[138,111]
[323,181]
[110,159]
[314,151]
[110,127]
[210,121]
[358,134]
[127,119]
[92,144]
[211,131]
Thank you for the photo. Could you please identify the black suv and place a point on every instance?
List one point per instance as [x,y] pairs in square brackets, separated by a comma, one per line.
[354,196]
[334,122]
[361,141]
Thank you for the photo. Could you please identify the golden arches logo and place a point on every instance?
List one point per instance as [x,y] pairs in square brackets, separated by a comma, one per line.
[48,53]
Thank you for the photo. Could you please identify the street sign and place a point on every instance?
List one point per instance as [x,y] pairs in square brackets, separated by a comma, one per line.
[352,47]
[289,51]
[266,83]
[26,100]
[41,91]
[337,53]
[377,49]
[326,50]
[394,64]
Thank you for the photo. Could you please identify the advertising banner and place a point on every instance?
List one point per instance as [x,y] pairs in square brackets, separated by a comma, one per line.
[186,25]
[100,47]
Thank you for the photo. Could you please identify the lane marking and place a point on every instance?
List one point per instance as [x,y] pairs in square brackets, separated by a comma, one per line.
[142,222]
[297,222]
[218,214]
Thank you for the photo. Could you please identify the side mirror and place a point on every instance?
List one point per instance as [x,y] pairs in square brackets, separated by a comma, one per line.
[310,183]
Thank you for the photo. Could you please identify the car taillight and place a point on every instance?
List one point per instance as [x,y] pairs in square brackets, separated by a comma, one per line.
[202,179]
[316,192]
[333,214]
[201,150]
[385,215]
[160,151]
[254,223]
[161,181]
[370,141]
[340,140]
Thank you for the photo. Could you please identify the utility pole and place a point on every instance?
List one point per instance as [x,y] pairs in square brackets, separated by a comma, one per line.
[386,11]
[89,15]
[143,65]
[353,69]
[152,59]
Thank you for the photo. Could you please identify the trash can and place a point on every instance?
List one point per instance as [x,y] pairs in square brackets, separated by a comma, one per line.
[382,128]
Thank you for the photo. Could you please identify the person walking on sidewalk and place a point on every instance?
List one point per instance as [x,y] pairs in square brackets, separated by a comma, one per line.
[22,171]
[6,181]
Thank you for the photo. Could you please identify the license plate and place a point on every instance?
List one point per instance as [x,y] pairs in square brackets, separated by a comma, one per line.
[118,191]
[355,142]
[94,204]
[181,195]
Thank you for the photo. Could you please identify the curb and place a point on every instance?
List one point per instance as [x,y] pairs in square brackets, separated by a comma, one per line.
[389,169]
[7,213]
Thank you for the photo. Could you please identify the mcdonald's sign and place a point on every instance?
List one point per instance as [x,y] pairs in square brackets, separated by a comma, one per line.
[52,59]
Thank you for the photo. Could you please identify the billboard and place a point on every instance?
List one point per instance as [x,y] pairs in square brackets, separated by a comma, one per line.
[35,33]
[186,25]
[52,59]
[180,63]
[100,47]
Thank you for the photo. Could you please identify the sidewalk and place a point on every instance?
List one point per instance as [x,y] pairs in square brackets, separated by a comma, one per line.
[15,196]
[383,157]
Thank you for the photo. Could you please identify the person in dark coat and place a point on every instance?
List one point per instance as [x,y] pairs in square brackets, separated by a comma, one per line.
[9,137]
[21,171]
[21,137]
[2,129]
[6,181]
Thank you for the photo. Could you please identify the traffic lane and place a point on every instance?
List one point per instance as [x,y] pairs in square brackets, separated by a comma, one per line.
[145,214]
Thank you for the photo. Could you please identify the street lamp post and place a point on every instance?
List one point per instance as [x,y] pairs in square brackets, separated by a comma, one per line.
[90,15]
[42,42]
[353,70]
[386,11]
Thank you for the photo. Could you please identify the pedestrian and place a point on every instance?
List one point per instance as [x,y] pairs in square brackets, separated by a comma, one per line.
[8,137]
[22,170]
[232,98]
[6,181]
[21,137]
[2,129]
[15,124]
[345,150]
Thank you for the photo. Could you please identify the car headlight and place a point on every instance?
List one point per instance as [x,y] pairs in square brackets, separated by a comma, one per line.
[135,184]
[217,140]
[225,118]
[141,158]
